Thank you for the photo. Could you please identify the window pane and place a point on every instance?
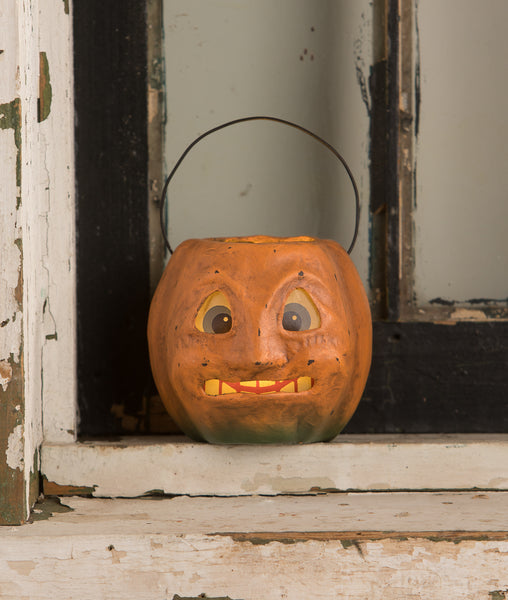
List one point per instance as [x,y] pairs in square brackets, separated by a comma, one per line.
[462,152]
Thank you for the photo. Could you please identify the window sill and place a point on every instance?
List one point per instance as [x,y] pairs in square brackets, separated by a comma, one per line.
[132,467]
[367,545]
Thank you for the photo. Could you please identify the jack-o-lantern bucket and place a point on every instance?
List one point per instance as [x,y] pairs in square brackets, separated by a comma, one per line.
[260,339]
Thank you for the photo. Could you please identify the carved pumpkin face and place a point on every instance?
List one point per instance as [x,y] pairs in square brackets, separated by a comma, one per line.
[260,339]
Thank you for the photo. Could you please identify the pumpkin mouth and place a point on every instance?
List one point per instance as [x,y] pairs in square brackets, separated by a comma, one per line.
[217,387]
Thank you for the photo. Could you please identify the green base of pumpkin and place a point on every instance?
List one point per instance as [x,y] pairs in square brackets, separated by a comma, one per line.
[282,434]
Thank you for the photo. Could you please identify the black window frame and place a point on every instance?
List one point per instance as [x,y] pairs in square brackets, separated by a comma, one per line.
[426,376]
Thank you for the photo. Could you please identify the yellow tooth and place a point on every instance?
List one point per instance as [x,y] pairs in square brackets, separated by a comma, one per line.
[251,384]
[227,389]
[303,384]
[255,384]
[264,383]
[290,387]
[212,387]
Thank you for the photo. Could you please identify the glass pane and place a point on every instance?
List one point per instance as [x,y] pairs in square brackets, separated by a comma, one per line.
[462,152]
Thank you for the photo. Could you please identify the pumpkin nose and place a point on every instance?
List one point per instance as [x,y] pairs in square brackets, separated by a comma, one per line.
[265,352]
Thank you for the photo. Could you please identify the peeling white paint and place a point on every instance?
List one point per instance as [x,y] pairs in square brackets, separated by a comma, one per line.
[26,28]
[134,466]
[197,547]
[15,448]
[8,66]
[467,314]
[10,254]
[37,240]
[31,198]
[57,223]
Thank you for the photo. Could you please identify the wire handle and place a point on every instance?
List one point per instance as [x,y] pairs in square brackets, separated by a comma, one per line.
[260,118]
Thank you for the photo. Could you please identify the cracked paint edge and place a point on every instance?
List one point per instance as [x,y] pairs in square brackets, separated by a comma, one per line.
[15,449]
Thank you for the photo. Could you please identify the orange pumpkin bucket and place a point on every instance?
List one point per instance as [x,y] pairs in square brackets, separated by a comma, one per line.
[260,339]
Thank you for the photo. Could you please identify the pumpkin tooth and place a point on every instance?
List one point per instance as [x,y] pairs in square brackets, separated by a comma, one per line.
[218,387]
[289,387]
[250,384]
[303,384]
[257,385]
[212,387]
[227,389]
[264,383]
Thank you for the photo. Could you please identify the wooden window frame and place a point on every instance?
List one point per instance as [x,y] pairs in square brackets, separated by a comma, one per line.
[39,402]
[37,301]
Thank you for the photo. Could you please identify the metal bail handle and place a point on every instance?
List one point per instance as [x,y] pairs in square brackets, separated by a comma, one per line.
[276,120]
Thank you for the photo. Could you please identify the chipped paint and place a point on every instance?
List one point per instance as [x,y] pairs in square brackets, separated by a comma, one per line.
[156,118]
[360,52]
[14,452]
[5,374]
[11,283]
[153,104]
[48,508]
[10,118]
[138,549]
[37,243]
[134,465]
[498,482]
[50,488]
[467,314]
[45,89]
[14,118]
[55,279]
[22,567]
[27,158]
[12,509]
[349,539]
[264,482]
[201,597]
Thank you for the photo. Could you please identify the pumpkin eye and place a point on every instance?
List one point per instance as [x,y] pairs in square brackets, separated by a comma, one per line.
[217,320]
[214,316]
[300,312]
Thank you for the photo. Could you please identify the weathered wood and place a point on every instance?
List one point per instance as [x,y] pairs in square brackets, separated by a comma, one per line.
[11,280]
[291,537]
[136,466]
[36,238]
[324,516]
[57,215]
[155,124]
[17,133]
[251,548]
